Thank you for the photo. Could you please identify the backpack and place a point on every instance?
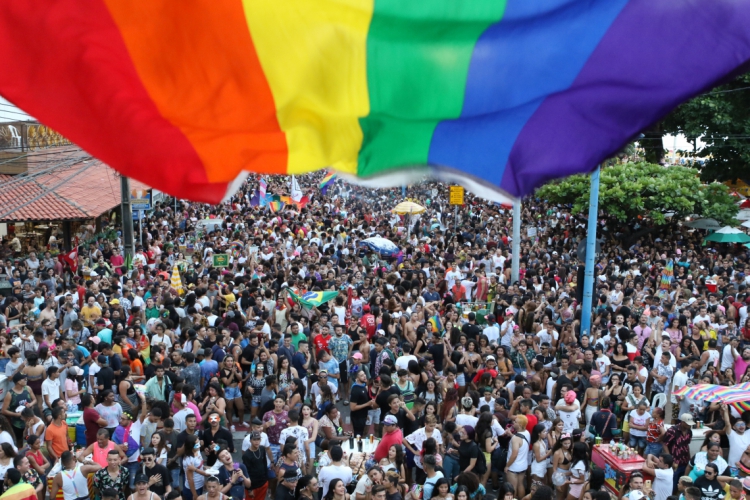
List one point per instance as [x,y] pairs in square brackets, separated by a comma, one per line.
[480,467]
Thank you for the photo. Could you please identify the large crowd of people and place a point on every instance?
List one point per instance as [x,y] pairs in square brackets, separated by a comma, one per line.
[432,374]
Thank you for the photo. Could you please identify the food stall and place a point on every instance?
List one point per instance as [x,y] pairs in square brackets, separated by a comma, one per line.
[618,462]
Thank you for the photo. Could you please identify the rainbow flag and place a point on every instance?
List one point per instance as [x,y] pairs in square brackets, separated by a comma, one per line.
[667,276]
[437,325]
[500,95]
[276,205]
[327,181]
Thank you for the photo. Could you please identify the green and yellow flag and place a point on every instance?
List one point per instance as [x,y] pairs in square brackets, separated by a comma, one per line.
[312,299]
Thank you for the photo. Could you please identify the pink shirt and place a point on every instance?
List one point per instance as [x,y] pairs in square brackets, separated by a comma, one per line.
[740,366]
[643,334]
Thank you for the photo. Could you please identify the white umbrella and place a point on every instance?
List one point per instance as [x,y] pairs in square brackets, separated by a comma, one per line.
[746,223]
[382,246]
[743,214]
[707,223]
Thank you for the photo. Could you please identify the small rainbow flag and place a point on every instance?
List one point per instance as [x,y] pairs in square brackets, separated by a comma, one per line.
[276,205]
[437,325]
[327,181]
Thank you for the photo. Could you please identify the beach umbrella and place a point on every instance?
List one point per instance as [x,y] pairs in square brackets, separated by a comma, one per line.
[707,223]
[745,203]
[408,207]
[737,396]
[728,235]
[743,214]
[176,281]
[746,224]
[382,246]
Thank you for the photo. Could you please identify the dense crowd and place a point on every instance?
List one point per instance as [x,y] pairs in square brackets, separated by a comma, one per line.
[432,375]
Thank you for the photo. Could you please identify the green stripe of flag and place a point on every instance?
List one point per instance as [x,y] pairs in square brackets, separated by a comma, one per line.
[418,56]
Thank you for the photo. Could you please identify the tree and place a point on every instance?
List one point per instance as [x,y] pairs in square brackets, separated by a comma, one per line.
[630,190]
[721,119]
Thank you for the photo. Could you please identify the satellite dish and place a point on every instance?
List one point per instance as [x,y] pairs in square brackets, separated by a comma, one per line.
[581,251]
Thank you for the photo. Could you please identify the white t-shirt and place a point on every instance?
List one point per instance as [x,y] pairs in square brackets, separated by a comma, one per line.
[737,446]
[179,419]
[402,362]
[417,438]
[492,333]
[464,419]
[663,483]
[51,389]
[331,472]
[678,381]
[639,420]
[602,363]
[569,418]
[727,360]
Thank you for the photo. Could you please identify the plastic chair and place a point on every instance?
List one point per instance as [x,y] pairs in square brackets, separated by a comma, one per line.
[659,400]
[15,137]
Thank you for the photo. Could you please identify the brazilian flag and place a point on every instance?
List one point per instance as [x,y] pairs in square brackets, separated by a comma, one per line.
[312,299]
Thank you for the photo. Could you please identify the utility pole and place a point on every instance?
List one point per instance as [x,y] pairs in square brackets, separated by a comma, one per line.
[588,281]
[127,216]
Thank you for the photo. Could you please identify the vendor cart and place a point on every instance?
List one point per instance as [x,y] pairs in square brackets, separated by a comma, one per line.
[617,471]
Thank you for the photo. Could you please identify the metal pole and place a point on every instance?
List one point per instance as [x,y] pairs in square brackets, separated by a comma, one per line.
[588,281]
[127,215]
[516,248]
[140,224]
[455,218]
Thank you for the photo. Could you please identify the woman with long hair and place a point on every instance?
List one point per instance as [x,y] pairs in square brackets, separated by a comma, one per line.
[448,411]
[561,459]
[395,461]
[137,364]
[35,373]
[311,424]
[231,377]
[159,444]
[540,453]
[337,490]
[126,389]
[255,386]
[579,469]
[214,401]
[296,394]
[7,452]
[486,441]
[286,373]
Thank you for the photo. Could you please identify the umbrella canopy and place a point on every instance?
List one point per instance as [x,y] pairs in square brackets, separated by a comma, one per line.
[745,203]
[746,223]
[408,207]
[707,223]
[384,247]
[176,281]
[728,235]
[743,214]
[737,396]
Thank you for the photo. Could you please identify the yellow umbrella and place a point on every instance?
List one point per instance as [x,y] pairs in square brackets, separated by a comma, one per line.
[408,207]
[176,281]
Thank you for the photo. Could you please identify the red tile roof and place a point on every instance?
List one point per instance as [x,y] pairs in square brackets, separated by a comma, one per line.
[61,187]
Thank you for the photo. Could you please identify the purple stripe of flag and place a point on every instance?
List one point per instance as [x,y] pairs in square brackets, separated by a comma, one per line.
[656,54]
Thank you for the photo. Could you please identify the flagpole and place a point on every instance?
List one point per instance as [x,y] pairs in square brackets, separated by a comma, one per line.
[588,281]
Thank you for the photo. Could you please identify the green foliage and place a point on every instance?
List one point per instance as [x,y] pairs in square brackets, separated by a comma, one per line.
[721,119]
[629,190]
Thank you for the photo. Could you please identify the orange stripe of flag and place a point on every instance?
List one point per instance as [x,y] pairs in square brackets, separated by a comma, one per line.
[198,63]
